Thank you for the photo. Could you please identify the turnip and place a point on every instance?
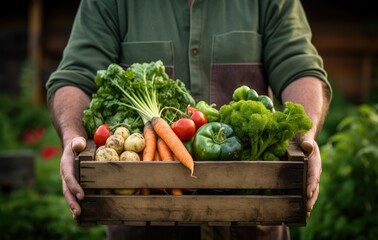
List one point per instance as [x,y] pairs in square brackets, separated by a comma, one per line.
[129,156]
[116,142]
[135,142]
[106,154]
[122,131]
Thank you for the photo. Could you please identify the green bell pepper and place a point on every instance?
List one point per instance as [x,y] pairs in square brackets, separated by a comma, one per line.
[245,93]
[189,145]
[268,103]
[211,113]
[216,141]
[252,95]
[240,93]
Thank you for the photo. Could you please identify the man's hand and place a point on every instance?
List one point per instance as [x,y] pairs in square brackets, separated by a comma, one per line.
[314,95]
[311,149]
[72,191]
[67,105]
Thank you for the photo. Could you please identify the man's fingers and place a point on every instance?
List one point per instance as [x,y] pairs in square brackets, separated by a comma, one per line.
[307,145]
[71,183]
[312,200]
[78,144]
[311,149]
[71,201]
[71,188]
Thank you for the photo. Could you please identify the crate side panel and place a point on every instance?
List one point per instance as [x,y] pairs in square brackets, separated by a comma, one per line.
[216,175]
[255,209]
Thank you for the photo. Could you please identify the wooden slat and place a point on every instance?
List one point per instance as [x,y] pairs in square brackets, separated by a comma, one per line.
[228,174]
[168,209]
[89,152]
[295,153]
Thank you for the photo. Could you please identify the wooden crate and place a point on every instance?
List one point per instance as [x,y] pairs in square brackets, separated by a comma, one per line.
[288,175]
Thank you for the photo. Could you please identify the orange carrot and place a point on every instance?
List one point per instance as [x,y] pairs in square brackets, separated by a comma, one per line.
[149,149]
[157,155]
[165,132]
[176,191]
[163,150]
[150,138]
[166,155]
[145,191]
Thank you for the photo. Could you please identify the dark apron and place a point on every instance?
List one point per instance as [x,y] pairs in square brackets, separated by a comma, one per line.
[225,78]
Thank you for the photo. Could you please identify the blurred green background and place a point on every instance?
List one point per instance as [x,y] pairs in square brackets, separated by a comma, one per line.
[33,35]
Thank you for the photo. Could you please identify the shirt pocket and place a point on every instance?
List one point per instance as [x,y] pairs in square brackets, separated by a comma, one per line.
[146,52]
[237,47]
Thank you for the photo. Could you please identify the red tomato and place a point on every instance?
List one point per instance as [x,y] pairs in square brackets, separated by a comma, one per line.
[190,110]
[101,134]
[184,128]
[199,118]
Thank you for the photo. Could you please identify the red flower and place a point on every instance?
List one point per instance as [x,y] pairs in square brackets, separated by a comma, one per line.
[50,151]
[32,136]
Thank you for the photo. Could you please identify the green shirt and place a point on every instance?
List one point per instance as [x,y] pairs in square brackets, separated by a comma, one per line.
[212,46]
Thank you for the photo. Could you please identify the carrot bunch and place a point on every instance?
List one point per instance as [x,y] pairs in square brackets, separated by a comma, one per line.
[162,144]
[139,87]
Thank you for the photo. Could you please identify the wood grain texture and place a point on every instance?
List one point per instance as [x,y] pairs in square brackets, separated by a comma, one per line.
[288,175]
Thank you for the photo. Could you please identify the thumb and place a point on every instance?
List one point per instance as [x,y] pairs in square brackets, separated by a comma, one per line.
[78,144]
[307,144]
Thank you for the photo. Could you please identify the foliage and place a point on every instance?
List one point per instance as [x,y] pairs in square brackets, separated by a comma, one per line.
[347,205]
[17,117]
[26,214]
[338,110]
[40,211]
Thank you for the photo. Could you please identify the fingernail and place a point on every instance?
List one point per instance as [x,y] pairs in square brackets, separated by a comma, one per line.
[73,211]
[78,196]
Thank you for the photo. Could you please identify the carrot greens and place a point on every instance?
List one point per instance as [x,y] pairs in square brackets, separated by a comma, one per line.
[135,95]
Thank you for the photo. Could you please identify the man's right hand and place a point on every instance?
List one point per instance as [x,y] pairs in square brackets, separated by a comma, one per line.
[72,191]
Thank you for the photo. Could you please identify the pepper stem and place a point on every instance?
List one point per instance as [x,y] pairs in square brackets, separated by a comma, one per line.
[220,136]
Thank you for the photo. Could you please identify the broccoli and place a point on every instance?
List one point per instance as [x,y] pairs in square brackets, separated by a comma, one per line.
[265,134]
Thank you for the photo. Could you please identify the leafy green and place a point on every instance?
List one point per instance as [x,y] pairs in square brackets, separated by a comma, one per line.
[134,95]
[27,214]
[347,205]
[264,133]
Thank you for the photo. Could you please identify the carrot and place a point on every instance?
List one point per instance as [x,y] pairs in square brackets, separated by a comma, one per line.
[165,132]
[149,150]
[163,150]
[150,139]
[176,191]
[166,155]
[157,155]
[145,191]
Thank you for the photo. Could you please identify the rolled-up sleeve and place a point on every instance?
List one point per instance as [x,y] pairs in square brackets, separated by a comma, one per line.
[289,53]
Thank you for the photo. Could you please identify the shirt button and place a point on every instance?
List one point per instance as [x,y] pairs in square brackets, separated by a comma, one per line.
[194,51]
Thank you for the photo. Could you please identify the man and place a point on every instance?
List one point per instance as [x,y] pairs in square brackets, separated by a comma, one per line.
[213,47]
